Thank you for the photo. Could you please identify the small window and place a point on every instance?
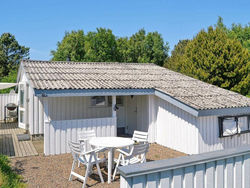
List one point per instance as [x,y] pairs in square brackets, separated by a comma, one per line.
[98,101]
[21,96]
[233,125]
[119,101]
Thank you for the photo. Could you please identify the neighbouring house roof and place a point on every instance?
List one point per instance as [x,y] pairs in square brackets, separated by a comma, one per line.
[51,75]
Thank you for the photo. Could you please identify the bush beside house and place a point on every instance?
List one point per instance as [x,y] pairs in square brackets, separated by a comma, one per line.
[8,177]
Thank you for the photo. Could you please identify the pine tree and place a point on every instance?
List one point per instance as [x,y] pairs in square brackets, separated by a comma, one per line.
[215,58]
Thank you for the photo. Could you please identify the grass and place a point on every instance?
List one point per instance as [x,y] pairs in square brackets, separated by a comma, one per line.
[8,177]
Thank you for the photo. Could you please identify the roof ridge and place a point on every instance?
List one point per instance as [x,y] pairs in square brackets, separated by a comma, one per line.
[85,62]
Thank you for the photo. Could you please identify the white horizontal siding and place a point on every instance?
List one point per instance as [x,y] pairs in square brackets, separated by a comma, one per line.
[176,128]
[57,133]
[229,173]
[209,139]
[5,99]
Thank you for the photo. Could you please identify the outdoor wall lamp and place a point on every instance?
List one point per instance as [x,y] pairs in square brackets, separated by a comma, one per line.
[116,107]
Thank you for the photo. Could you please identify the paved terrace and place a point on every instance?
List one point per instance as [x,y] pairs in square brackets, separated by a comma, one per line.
[9,144]
[53,171]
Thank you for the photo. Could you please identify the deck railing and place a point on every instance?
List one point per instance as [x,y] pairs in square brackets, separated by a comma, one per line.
[57,133]
[224,168]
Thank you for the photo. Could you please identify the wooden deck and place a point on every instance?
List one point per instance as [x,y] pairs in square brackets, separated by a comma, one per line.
[9,144]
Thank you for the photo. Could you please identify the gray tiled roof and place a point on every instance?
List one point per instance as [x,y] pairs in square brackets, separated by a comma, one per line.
[82,75]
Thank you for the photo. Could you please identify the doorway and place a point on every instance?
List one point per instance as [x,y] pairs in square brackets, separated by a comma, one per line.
[131,114]
[23,105]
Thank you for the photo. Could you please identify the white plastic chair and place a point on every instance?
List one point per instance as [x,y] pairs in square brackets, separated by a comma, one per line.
[137,154]
[83,138]
[88,158]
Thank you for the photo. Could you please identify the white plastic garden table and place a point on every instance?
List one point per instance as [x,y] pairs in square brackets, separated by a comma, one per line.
[110,143]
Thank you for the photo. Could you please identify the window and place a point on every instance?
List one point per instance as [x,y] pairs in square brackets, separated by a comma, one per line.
[21,116]
[243,123]
[98,101]
[119,101]
[21,96]
[233,125]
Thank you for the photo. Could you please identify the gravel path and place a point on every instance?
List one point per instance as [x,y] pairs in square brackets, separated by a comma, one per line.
[53,171]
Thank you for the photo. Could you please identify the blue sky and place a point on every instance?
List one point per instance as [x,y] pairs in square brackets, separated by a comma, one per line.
[41,24]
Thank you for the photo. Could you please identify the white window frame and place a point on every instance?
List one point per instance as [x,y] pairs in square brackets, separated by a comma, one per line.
[22,108]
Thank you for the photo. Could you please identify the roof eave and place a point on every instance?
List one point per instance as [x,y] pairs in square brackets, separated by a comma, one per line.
[245,110]
[126,92]
[91,92]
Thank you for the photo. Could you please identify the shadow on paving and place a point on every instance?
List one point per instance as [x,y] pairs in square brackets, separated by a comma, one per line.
[6,145]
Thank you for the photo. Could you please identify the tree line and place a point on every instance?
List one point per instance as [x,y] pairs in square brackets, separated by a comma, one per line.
[218,55]
[103,46]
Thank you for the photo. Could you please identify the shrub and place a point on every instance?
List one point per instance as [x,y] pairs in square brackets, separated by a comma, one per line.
[8,177]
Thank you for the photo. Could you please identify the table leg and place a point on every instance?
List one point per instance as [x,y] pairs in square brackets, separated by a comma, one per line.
[110,164]
[113,156]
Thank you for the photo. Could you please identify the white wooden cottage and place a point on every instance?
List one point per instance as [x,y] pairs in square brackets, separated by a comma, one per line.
[57,99]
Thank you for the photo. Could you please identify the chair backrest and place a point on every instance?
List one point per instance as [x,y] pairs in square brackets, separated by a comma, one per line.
[140,136]
[139,149]
[75,148]
[139,152]
[84,136]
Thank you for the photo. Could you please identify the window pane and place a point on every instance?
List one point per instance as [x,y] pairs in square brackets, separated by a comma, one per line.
[243,123]
[98,101]
[21,116]
[119,100]
[229,126]
[21,98]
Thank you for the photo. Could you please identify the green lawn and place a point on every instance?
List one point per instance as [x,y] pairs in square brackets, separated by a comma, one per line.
[8,177]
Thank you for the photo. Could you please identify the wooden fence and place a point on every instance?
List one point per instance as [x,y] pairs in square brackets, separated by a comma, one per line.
[225,168]
[57,133]
[5,99]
